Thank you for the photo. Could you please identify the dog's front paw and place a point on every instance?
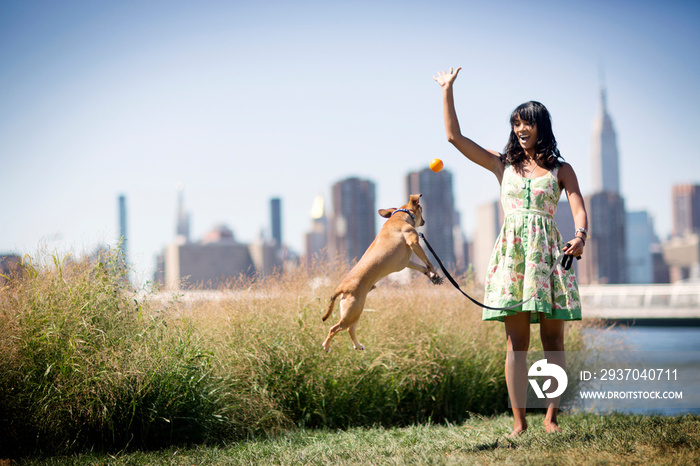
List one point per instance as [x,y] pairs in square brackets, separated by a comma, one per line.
[359,347]
[435,278]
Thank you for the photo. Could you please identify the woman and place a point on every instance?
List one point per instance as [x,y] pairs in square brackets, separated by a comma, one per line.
[532,174]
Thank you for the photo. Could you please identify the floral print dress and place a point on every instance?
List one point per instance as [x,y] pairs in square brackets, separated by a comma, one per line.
[526,249]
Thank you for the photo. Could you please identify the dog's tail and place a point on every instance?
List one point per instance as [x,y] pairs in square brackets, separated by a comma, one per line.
[331,305]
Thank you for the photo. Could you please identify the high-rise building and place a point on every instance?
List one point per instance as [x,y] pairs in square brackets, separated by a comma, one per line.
[489,219]
[604,260]
[605,173]
[438,209]
[605,248]
[276,220]
[686,209]
[659,265]
[316,240]
[639,229]
[461,245]
[682,252]
[183,217]
[122,226]
[354,218]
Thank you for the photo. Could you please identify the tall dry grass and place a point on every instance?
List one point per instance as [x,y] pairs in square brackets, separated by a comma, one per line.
[85,362]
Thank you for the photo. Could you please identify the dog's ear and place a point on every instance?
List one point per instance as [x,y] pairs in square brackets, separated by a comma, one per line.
[386,213]
[414,200]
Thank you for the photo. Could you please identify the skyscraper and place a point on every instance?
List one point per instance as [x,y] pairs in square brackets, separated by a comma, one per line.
[686,209]
[438,209]
[183,217]
[316,240]
[605,173]
[605,260]
[640,238]
[489,218]
[682,251]
[122,226]
[354,218]
[276,220]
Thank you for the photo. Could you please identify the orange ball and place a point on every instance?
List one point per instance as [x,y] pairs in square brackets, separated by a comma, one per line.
[436,165]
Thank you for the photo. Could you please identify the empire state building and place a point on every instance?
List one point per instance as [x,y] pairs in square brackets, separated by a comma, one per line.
[606,173]
[605,251]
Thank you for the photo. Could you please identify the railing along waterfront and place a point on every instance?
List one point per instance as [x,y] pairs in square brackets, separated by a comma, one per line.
[640,302]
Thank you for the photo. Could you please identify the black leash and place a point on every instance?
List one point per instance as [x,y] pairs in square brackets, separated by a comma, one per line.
[565,259]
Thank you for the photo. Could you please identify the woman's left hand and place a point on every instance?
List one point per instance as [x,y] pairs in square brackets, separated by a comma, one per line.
[447,78]
[576,248]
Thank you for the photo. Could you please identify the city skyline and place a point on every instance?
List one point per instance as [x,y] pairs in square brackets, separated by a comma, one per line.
[243,103]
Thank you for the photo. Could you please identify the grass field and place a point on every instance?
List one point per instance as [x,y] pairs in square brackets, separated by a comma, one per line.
[586,439]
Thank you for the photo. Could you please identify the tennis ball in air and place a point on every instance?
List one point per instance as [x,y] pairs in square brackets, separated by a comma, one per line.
[436,165]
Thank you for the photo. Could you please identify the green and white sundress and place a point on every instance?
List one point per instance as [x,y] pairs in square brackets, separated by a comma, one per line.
[526,249]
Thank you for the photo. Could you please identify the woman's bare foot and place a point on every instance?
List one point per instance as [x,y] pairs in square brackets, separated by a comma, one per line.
[518,430]
[551,426]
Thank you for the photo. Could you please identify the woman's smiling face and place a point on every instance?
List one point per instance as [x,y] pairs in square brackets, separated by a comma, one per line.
[526,133]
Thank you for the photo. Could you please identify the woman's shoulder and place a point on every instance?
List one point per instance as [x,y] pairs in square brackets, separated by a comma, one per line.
[565,168]
[566,175]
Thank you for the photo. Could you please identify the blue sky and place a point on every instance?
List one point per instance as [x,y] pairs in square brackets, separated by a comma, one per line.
[245,101]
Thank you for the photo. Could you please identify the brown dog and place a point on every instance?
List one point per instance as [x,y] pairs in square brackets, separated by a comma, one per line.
[390,252]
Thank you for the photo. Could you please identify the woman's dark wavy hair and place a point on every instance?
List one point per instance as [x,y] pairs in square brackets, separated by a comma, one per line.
[546,151]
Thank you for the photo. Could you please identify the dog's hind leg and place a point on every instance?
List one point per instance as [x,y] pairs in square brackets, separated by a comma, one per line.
[350,311]
[356,344]
[331,333]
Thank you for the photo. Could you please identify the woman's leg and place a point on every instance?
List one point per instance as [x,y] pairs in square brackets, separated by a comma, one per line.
[517,343]
[552,335]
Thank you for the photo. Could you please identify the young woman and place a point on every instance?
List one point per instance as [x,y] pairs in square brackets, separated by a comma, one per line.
[532,174]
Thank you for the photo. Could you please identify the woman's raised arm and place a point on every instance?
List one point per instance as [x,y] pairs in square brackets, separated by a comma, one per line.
[471,150]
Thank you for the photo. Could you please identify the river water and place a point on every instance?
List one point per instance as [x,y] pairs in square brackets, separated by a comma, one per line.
[648,338]
[672,352]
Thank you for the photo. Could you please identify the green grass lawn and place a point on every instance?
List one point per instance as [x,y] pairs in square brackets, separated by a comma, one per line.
[585,439]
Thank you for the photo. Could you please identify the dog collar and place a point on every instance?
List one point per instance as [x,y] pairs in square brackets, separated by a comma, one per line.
[407,211]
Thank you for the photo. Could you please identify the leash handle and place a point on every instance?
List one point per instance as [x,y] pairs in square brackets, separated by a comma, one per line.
[568,259]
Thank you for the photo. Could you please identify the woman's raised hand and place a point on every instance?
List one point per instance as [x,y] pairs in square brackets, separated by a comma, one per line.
[446,78]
